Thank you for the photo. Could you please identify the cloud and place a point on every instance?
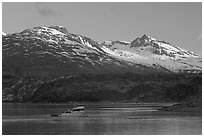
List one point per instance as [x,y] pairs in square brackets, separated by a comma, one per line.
[45,10]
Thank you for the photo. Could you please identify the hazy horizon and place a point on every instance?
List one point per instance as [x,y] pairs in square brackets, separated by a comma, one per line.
[177,23]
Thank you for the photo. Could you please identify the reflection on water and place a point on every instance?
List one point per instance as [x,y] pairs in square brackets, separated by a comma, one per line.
[103,118]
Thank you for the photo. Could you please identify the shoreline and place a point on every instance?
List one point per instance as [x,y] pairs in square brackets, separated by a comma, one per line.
[171,107]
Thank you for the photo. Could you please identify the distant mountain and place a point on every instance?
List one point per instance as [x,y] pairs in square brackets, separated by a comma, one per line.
[151,52]
[53,65]
[53,50]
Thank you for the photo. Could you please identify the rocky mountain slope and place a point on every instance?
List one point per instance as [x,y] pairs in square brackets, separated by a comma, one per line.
[151,52]
[46,51]
[50,64]
[105,87]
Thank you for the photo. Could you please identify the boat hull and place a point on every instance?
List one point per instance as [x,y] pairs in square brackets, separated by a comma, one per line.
[74,114]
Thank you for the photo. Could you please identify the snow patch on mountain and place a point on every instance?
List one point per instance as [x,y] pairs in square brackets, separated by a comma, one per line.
[122,53]
[151,52]
[4,34]
[57,43]
[52,31]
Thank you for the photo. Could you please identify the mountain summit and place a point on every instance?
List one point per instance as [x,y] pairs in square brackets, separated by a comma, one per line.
[60,29]
[151,52]
[55,51]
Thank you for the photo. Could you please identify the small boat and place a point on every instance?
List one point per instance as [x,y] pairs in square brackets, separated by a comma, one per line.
[78,111]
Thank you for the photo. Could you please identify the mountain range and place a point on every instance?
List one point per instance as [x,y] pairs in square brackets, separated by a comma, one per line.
[50,64]
[52,50]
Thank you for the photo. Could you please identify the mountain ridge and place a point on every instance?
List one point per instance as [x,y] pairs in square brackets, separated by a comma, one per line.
[50,64]
[55,46]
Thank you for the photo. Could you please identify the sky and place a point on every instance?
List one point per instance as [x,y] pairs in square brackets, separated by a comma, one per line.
[177,23]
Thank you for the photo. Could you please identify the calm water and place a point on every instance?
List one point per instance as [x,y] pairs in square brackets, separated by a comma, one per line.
[103,118]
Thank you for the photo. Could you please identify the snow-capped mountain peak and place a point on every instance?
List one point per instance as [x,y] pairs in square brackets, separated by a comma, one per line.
[60,29]
[142,41]
[55,47]
[4,34]
[149,38]
[160,47]
[149,51]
